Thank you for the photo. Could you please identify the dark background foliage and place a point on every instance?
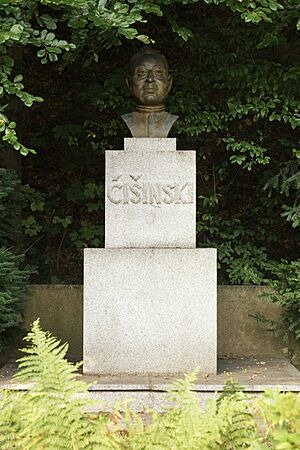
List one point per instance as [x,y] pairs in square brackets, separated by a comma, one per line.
[13,275]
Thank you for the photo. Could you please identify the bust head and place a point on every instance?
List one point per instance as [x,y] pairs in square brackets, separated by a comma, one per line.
[149,79]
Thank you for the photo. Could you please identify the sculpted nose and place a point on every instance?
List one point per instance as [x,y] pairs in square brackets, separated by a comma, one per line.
[150,76]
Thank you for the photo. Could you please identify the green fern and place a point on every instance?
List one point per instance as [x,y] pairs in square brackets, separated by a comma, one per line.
[225,424]
[280,415]
[51,414]
[45,364]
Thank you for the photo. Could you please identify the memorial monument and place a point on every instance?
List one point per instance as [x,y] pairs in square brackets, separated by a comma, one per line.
[150,294]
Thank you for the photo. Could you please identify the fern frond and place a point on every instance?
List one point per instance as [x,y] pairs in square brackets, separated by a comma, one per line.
[50,415]
[46,365]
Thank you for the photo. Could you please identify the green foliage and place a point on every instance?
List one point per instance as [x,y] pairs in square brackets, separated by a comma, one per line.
[10,203]
[51,413]
[13,282]
[236,85]
[281,418]
[42,24]
[226,423]
[246,154]
[13,278]
[285,183]
[285,291]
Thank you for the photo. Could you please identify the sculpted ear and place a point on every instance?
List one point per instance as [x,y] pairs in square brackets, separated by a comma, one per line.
[129,82]
[170,81]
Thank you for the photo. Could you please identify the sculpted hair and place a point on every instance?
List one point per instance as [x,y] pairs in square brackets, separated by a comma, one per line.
[144,52]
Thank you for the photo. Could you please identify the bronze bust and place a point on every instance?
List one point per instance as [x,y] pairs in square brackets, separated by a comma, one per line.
[150,82]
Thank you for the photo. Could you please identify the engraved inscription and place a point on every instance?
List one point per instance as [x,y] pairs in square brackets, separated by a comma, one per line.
[134,190]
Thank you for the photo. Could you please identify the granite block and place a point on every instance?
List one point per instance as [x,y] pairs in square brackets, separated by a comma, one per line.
[150,199]
[150,311]
[149,144]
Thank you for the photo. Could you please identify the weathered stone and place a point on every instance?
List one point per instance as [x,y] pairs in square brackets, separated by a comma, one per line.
[149,144]
[150,311]
[60,310]
[150,197]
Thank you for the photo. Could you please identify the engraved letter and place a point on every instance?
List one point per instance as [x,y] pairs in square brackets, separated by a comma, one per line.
[184,193]
[113,191]
[126,194]
[155,193]
[177,193]
[135,189]
[135,177]
[168,189]
[191,193]
[145,192]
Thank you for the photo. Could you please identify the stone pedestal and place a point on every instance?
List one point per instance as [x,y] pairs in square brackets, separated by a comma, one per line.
[150,199]
[150,295]
[150,311]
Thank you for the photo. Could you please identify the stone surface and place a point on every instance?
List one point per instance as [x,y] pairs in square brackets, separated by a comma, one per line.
[240,334]
[149,144]
[254,374]
[149,311]
[60,310]
[150,199]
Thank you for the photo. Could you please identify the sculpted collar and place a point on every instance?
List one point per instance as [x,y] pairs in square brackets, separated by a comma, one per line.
[150,109]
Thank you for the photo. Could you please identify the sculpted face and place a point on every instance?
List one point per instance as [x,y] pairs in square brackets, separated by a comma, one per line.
[150,81]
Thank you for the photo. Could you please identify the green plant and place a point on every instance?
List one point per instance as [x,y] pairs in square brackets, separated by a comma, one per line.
[226,422]
[13,286]
[50,415]
[10,207]
[13,278]
[280,415]
[285,291]
[40,26]
[236,83]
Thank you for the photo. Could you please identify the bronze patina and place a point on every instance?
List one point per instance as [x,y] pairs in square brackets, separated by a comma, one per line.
[150,82]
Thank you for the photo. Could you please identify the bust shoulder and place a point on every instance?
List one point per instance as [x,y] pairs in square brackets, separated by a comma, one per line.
[149,124]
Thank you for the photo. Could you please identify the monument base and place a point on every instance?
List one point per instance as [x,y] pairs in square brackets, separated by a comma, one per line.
[150,311]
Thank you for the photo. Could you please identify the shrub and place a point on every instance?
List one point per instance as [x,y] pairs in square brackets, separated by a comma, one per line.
[13,279]
[285,286]
[50,415]
[10,208]
[12,291]
[284,281]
